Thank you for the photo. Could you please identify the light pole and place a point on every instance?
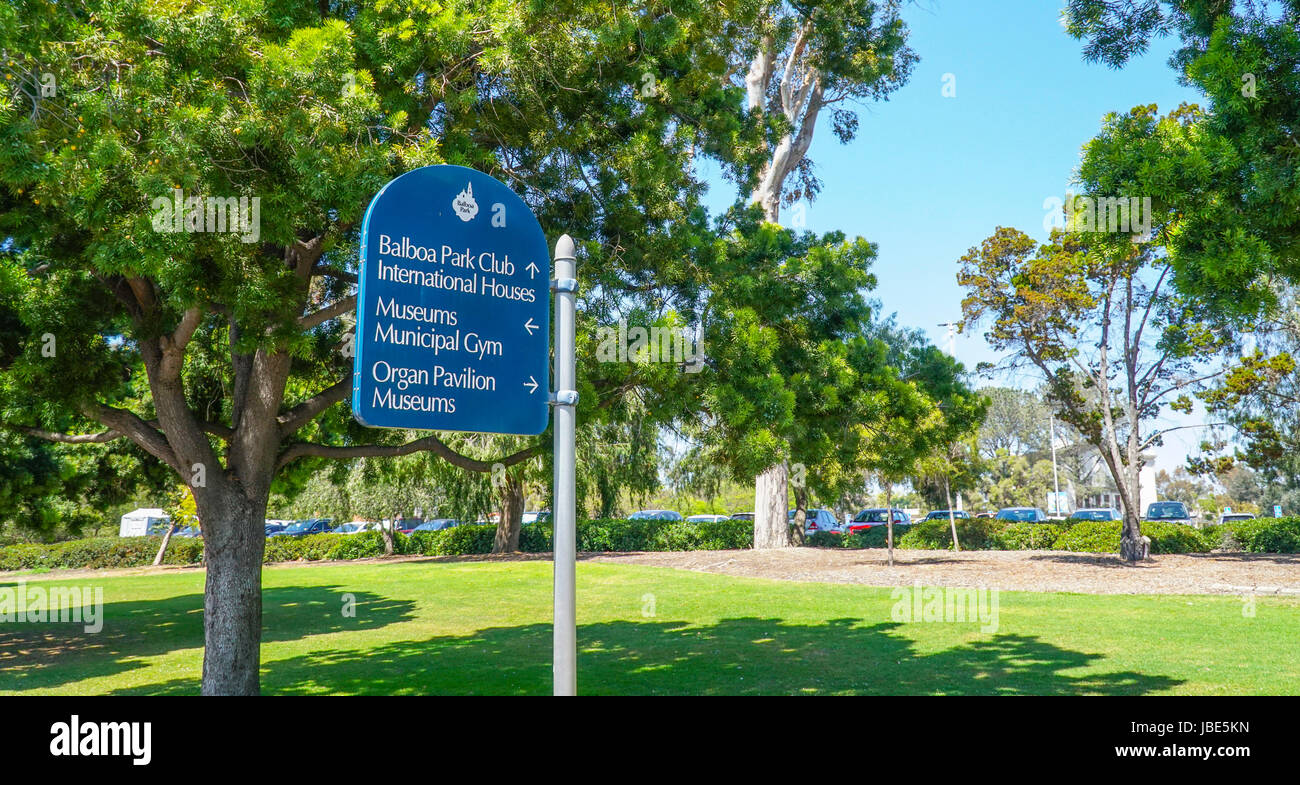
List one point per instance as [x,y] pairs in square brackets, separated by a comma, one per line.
[951,339]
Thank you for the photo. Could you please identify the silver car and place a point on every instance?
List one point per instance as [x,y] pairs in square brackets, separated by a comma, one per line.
[1169,512]
[1229,517]
[819,521]
[655,515]
[1096,514]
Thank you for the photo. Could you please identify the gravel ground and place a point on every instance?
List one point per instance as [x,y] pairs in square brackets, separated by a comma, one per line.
[1046,571]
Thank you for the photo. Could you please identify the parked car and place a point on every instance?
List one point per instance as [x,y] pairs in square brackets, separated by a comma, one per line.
[407,525]
[742,516]
[655,515]
[535,517]
[437,524]
[272,528]
[305,527]
[866,519]
[942,515]
[986,514]
[1022,515]
[819,521]
[355,527]
[1168,512]
[1096,514]
[1228,517]
[706,518]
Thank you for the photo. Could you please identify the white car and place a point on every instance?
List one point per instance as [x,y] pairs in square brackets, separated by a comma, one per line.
[356,527]
[1229,517]
[707,518]
[819,521]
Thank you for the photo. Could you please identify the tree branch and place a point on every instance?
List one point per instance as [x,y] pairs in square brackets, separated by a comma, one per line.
[67,438]
[150,439]
[430,443]
[333,272]
[332,311]
[307,411]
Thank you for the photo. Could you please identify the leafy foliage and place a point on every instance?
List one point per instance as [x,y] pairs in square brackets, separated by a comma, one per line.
[1227,176]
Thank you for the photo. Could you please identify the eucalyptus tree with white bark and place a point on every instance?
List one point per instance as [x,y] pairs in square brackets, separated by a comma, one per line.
[808,59]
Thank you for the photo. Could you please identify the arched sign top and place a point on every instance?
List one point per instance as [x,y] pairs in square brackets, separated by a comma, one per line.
[453,322]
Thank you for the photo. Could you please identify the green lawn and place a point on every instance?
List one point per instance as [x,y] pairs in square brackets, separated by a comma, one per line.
[483,628]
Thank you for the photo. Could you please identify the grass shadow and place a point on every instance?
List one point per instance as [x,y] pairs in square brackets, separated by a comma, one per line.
[742,656]
[45,655]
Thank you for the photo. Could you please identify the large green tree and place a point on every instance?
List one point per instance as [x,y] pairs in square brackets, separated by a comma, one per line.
[1258,399]
[1231,172]
[800,62]
[219,354]
[1092,315]
[1018,422]
[799,375]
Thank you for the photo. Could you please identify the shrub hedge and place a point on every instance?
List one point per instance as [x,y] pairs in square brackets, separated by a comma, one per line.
[1089,537]
[1262,535]
[1016,536]
[875,537]
[98,552]
[1175,538]
[974,534]
[1265,535]
[594,535]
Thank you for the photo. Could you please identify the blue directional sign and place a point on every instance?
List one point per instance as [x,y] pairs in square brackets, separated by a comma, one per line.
[453,323]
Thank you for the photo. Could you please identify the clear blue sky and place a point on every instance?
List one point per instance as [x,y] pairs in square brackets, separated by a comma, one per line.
[929,176]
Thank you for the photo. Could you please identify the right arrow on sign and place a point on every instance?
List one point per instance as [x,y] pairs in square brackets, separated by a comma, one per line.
[531,384]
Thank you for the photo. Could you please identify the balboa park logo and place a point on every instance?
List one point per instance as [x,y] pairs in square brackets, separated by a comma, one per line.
[464,203]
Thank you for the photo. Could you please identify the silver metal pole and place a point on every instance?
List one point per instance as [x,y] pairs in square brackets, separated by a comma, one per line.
[1056,485]
[565,402]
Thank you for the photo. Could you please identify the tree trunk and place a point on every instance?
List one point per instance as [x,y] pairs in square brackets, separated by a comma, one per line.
[162,549]
[386,531]
[1133,546]
[771,517]
[889,518]
[232,599]
[512,513]
[800,515]
[952,516]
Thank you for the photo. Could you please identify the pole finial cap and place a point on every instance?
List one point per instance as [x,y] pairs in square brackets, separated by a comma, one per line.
[564,248]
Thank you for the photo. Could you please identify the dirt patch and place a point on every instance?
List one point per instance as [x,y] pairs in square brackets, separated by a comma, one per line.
[1045,571]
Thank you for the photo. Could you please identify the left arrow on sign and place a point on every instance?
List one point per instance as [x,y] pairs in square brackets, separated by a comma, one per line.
[529,326]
